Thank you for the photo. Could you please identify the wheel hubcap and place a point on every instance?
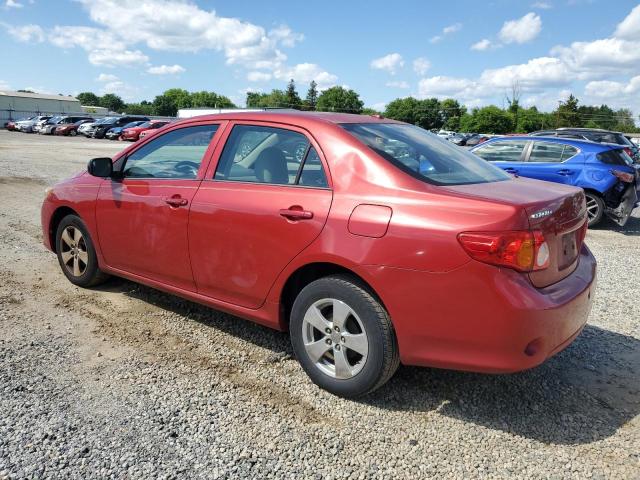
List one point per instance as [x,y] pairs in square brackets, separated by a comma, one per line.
[334,338]
[73,251]
[592,207]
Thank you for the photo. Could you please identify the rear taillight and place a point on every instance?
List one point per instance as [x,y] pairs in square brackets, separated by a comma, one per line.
[582,233]
[624,176]
[525,251]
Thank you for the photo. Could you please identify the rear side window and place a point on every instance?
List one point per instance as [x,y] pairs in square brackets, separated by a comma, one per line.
[259,154]
[424,155]
[506,151]
[615,157]
[551,152]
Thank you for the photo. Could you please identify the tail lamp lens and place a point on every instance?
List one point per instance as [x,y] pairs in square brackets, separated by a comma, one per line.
[525,251]
[624,176]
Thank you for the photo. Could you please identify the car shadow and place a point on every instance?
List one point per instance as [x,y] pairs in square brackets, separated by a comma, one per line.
[631,228]
[590,390]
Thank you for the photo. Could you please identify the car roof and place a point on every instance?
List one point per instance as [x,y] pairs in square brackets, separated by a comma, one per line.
[295,117]
[584,129]
[585,145]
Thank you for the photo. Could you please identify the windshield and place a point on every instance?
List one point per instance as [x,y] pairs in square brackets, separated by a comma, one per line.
[424,155]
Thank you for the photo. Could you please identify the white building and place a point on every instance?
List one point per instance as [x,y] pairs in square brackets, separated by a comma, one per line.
[15,105]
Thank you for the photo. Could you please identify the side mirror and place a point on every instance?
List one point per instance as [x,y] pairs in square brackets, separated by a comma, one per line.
[100,167]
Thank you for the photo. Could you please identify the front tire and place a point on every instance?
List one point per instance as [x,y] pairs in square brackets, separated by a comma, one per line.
[343,337]
[76,253]
[595,208]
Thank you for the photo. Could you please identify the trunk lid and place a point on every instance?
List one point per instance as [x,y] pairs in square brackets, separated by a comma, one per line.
[558,211]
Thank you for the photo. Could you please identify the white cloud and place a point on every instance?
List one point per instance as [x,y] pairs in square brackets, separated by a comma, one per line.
[599,57]
[389,63]
[112,58]
[541,5]
[611,89]
[166,70]
[286,36]
[443,86]
[521,30]
[258,76]
[13,4]
[397,84]
[26,33]
[107,77]
[421,65]
[456,27]
[536,73]
[304,73]
[482,45]
[83,37]
[448,30]
[629,28]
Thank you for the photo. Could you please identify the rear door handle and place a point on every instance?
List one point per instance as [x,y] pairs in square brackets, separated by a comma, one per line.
[564,172]
[510,170]
[176,201]
[296,213]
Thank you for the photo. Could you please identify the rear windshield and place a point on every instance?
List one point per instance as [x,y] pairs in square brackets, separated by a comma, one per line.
[424,155]
[615,157]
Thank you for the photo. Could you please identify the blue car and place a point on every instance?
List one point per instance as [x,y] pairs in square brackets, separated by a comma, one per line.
[606,172]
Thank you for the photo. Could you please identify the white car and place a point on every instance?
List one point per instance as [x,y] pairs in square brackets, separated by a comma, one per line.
[27,126]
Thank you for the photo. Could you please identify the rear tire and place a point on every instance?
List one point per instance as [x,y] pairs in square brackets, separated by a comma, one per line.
[73,133]
[343,337]
[595,208]
[76,253]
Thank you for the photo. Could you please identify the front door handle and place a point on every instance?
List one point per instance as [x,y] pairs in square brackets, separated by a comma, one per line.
[176,201]
[511,170]
[296,212]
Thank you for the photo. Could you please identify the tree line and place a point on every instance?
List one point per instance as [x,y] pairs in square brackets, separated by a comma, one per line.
[429,113]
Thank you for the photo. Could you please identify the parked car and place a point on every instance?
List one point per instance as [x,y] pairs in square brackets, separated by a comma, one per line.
[11,125]
[604,171]
[595,135]
[100,129]
[133,133]
[71,129]
[28,126]
[51,125]
[115,133]
[373,242]
[475,139]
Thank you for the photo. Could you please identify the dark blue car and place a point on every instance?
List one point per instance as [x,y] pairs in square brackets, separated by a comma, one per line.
[606,172]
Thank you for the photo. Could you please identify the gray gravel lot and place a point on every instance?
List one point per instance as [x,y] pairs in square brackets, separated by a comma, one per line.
[126,382]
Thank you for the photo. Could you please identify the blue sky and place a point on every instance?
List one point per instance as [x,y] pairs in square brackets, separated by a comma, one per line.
[469,50]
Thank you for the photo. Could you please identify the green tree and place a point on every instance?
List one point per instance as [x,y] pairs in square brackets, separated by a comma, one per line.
[490,119]
[312,96]
[164,106]
[429,114]
[143,108]
[451,112]
[275,99]
[567,114]
[293,99]
[339,99]
[403,110]
[89,99]
[112,102]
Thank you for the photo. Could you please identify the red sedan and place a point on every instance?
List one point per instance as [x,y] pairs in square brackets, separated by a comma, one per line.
[132,134]
[371,241]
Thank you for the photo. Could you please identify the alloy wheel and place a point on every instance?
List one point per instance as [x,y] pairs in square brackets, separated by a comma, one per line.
[73,250]
[334,338]
[593,209]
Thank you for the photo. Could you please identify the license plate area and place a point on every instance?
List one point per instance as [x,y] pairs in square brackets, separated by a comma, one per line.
[568,249]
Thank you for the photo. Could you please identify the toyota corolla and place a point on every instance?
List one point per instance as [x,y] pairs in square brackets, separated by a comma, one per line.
[372,242]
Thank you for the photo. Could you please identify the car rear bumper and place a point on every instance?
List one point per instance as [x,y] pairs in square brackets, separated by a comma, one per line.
[482,318]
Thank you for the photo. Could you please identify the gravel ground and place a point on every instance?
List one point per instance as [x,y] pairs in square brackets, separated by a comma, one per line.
[126,382]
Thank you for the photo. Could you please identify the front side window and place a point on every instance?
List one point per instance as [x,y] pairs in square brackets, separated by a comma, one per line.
[506,151]
[424,155]
[176,154]
[551,152]
[271,155]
